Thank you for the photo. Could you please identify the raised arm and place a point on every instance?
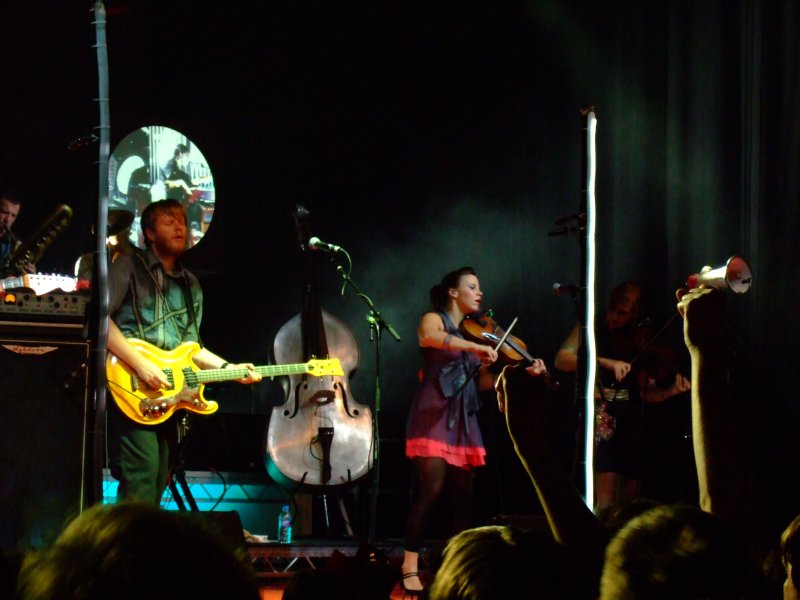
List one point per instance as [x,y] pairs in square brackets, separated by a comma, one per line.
[524,400]
[722,470]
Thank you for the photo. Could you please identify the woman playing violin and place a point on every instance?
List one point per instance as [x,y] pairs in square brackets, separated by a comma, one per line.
[625,386]
[442,438]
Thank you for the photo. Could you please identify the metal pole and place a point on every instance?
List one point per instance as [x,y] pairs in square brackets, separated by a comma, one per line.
[93,488]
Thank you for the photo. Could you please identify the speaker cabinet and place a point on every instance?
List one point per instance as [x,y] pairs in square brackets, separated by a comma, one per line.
[44,442]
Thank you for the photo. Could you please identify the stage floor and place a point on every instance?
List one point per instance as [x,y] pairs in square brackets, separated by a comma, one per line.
[380,562]
[274,591]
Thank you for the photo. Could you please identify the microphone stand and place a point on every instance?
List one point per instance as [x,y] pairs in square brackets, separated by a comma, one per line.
[92,491]
[377,324]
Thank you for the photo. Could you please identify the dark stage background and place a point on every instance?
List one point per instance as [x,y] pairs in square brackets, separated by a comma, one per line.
[426,136]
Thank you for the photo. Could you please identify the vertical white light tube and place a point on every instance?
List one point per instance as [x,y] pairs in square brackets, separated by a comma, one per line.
[591,349]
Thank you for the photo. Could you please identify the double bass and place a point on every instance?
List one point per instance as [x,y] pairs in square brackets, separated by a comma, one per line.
[320,437]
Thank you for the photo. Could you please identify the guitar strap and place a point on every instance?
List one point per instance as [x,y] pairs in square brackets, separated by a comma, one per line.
[187,296]
[163,309]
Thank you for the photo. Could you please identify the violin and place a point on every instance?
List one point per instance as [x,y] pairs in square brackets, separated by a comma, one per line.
[483,329]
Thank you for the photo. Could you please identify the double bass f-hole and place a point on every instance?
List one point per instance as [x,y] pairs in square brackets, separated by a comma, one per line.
[345,402]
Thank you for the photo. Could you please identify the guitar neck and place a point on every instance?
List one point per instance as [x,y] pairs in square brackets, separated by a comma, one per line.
[39,283]
[207,375]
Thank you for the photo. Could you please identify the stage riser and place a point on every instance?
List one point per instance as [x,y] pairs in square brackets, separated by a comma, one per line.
[257,500]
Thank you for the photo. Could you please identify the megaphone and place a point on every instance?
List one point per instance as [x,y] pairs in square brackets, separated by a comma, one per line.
[734,275]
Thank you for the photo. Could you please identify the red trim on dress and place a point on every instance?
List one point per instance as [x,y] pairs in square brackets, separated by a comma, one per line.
[459,456]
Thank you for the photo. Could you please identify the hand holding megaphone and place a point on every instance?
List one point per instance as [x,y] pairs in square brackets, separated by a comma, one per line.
[734,275]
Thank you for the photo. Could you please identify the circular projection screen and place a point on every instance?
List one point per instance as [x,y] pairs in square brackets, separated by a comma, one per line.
[154,163]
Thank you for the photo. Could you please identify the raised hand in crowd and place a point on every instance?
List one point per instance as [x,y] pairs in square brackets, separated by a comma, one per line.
[523,397]
[722,468]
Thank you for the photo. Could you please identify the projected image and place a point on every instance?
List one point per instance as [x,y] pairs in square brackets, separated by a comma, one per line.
[154,163]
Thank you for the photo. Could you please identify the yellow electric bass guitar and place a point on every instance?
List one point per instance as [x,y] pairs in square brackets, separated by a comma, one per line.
[149,406]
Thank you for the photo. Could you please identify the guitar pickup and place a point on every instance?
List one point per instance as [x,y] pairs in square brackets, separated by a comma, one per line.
[167,372]
[170,378]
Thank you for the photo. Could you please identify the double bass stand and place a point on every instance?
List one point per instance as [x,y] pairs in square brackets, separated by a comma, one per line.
[377,324]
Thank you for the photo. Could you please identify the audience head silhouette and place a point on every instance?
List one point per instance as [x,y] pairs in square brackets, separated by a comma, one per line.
[131,551]
[500,562]
[310,584]
[616,516]
[790,556]
[676,552]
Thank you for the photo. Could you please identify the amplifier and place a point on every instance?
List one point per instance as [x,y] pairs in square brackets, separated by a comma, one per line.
[49,314]
[45,464]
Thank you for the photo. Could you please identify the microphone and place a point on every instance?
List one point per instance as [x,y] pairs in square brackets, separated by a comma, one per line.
[317,244]
[559,289]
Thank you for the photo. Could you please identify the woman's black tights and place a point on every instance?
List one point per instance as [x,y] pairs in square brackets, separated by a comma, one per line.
[433,474]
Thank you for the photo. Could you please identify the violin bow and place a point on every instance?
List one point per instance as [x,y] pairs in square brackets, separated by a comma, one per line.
[497,347]
[501,340]
[506,334]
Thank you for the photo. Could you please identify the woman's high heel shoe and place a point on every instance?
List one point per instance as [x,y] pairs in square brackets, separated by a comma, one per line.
[407,591]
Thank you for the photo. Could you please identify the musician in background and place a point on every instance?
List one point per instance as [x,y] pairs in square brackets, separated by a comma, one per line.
[9,211]
[153,298]
[442,437]
[180,185]
[174,174]
[117,243]
[629,375]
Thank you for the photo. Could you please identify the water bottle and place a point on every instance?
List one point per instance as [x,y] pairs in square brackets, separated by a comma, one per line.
[285,525]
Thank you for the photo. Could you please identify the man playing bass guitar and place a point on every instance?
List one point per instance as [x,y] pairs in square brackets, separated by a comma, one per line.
[153,298]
